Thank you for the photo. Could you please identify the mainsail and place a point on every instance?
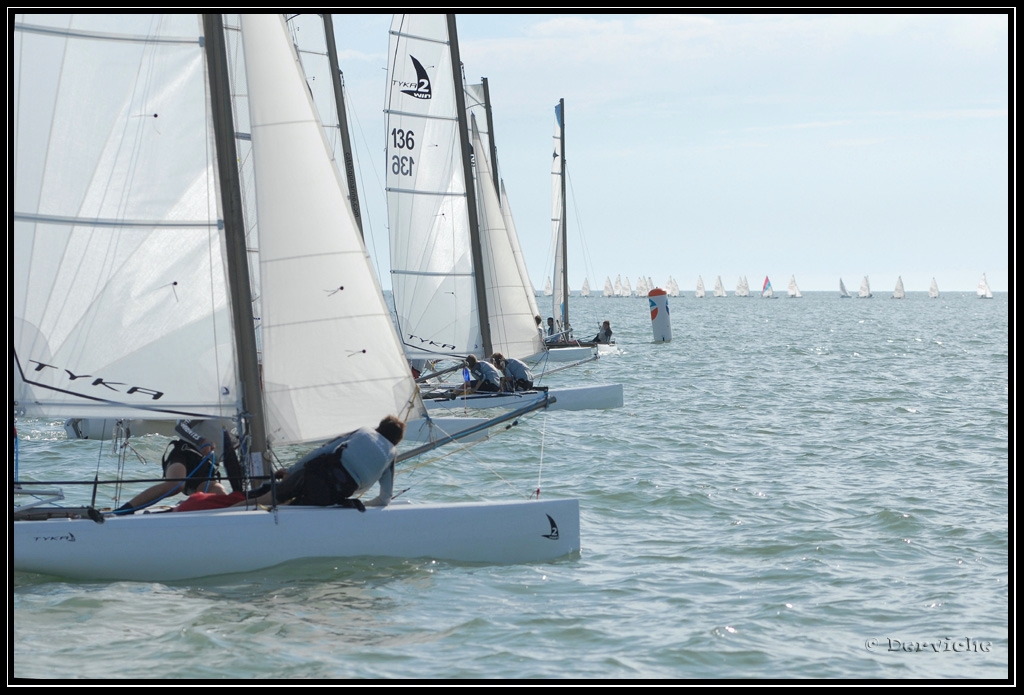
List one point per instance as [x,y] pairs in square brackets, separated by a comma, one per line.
[898,293]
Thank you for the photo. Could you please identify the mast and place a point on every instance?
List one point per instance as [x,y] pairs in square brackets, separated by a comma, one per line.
[490,135]
[234,234]
[339,98]
[565,244]
[467,169]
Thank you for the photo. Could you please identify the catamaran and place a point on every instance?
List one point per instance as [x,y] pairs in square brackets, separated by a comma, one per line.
[156,271]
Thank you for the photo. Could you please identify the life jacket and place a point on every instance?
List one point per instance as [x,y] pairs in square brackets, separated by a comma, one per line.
[197,468]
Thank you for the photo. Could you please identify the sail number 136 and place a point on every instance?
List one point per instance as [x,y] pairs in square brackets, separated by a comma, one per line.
[402,140]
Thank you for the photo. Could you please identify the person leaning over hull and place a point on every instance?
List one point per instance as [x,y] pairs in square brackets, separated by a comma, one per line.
[485,377]
[341,470]
[518,376]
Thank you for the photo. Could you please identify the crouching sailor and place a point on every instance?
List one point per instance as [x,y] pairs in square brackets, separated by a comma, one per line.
[341,470]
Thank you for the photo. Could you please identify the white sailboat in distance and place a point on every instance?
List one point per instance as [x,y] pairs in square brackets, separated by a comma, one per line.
[899,293]
[984,292]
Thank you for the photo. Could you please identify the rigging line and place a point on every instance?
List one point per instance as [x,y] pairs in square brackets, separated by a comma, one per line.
[368,228]
[540,465]
[588,266]
[466,448]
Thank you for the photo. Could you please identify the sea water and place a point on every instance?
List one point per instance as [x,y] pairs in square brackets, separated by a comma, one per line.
[794,488]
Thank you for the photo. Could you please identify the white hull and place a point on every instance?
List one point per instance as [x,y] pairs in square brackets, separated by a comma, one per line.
[104,429]
[569,353]
[570,398]
[435,429]
[149,547]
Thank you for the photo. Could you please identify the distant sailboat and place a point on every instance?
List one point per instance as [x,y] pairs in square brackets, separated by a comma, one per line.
[699,294]
[719,287]
[627,289]
[843,294]
[984,292]
[933,290]
[865,288]
[793,290]
[898,293]
[618,285]
[766,288]
[609,291]
[547,287]
[585,292]
[742,287]
[672,286]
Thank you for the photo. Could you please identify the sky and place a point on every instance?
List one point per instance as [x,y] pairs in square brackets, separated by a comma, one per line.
[821,146]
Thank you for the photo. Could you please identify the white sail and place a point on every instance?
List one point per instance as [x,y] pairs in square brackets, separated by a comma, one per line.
[899,293]
[984,292]
[510,314]
[699,294]
[627,289]
[719,287]
[742,288]
[585,290]
[517,297]
[118,259]
[933,289]
[547,287]
[432,274]
[865,288]
[618,285]
[793,290]
[319,294]
[842,289]
[609,291]
[517,251]
[673,287]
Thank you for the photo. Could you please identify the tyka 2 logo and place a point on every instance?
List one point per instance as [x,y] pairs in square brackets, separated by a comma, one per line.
[422,89]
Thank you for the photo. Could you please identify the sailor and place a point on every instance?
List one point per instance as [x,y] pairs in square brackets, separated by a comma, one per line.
[518,376]
[604,336]
[483,376]
[341,470]
[189,464]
